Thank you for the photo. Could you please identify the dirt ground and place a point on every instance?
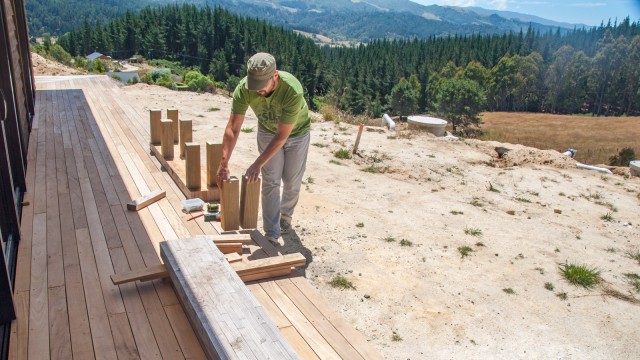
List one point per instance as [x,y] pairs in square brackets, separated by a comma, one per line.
[531,211]
[42,66]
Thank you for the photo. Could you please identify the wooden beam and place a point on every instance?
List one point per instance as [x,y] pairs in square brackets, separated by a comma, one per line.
[228,320]
[146,200]
[155,115]
[146,274]
[167,138]
[229,201]
[186,134]
[192,163]
[230,238]
[228,248]
[269,264]
[249,201]
[173,115]
[214,153]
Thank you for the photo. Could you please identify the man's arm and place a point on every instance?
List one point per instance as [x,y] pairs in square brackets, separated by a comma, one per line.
[282,134]
[231,133]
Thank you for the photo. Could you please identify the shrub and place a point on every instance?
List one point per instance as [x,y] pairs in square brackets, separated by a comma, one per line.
[198,82]
[623,158]
[580,275]
[342,154]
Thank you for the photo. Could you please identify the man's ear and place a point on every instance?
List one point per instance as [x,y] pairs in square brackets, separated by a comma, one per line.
[276,74]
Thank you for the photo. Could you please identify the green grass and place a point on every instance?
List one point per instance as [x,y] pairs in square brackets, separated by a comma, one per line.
[320,145]
[341,282]
[509,291]
[405,242]
[334,161]
[476,202]
[373,169]
[454,212]
[607,217]
[633,280]
[465,251]
[213,108]
[480,244]
[562,295]
[342,154]
[395,337]
[360,225]
[548,286]
[247,129]
[389,239]
[472,231]
[633,255]
[524,200]
[580,275]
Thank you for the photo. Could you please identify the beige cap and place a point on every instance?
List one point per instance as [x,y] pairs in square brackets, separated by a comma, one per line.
[260,68]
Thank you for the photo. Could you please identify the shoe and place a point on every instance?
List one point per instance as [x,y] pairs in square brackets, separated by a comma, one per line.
[285,226]
[272,240]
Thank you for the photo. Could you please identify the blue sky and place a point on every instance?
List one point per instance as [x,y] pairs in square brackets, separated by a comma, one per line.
[589,12]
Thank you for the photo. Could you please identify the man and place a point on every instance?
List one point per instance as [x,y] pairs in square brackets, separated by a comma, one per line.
[276,98]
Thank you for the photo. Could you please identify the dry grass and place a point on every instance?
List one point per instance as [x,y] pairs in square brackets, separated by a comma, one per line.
[596,138]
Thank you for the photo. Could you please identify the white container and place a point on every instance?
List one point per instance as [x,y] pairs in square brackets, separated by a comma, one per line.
[433,125]
[634,167]
[191,205]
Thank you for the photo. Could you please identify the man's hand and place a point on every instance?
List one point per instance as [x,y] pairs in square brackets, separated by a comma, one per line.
[253,172]
[222,175]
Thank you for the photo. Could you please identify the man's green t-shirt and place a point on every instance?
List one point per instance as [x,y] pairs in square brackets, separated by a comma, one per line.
[286,105]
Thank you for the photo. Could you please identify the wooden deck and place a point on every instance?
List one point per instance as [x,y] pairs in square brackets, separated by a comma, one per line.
[88,157]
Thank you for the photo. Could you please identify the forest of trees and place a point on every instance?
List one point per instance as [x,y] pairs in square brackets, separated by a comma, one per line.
[583,71]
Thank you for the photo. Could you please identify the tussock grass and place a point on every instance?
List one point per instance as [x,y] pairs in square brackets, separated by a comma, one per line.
[597,139]
[580,275]
[465,251]
[472,231]
[247,129]
[633,255]
[342,154]
[341,282]
[405,242]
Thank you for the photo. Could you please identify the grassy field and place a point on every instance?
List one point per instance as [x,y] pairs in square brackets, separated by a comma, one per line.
[596,138]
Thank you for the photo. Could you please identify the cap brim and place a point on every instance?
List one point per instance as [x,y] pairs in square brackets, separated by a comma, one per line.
[255,85]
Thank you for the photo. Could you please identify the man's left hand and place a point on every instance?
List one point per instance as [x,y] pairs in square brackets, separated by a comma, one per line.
[253,172]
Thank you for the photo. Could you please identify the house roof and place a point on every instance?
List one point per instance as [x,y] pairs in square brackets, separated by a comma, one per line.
[94,56]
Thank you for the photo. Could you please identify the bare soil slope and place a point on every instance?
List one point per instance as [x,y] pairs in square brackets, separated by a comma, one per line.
[427,191]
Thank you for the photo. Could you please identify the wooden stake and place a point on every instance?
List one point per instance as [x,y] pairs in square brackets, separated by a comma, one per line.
[249,201]
[214,153]
[230,216]
[154,126]
[355,147]
[173,115]
[167,138]
[186,134]
[192,164]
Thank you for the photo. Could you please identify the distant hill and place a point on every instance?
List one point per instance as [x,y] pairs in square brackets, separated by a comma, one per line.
[339,19]
[526,18]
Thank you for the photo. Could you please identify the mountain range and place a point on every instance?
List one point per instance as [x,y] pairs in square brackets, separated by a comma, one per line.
[360,20]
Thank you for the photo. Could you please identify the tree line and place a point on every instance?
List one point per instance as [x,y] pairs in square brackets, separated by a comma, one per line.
[591,70]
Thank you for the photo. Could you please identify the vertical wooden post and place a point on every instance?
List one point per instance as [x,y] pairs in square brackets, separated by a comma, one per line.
[192,165]
[355,147]
[167,138]
[214,153]
[173,115]
[229,202]
[249,201]
[155,115]
[186,134]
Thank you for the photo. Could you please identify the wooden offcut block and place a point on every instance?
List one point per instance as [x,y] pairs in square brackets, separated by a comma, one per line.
[192,164]
[230,203]
[228,320]
[214,154]
[173,115]
[249,201]
[186,134]
[167,138]
[155,115]
[144,201]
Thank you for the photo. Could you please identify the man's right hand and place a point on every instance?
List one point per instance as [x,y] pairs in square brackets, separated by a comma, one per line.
[222,175]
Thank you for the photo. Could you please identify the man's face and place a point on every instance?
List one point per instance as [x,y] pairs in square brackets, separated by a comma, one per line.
[269,88]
